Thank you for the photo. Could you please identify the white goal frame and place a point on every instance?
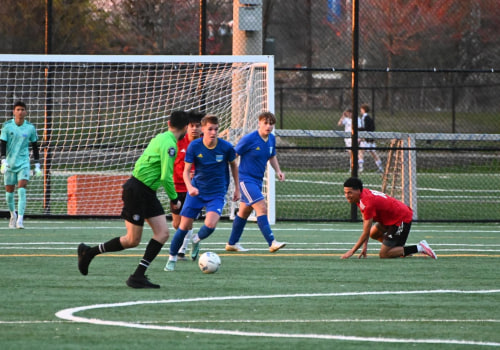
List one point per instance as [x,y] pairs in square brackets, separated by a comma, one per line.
[248,99]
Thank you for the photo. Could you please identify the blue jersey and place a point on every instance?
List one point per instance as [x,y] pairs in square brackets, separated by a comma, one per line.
[18,139]
[211,168]
[254,153]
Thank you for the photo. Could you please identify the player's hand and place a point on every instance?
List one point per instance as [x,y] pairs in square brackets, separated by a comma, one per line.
[177,203]
[193,191]
[362,254]
[37,171]
[4,166]
[346,255]
[281,176]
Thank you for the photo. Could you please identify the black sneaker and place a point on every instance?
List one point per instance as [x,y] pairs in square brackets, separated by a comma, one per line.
[140,282]
[83,258]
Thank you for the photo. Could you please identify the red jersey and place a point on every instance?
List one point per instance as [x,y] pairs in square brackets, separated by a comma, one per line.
[383,209]
[182,146]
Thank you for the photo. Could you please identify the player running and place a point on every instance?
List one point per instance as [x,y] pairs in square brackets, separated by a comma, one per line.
[211,157]
[153,169]
[392,223]
[255,149]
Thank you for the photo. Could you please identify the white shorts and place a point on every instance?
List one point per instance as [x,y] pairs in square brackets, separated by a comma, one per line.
[368,144]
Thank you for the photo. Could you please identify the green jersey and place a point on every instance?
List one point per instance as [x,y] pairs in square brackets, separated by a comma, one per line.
[18,139]
[155,166]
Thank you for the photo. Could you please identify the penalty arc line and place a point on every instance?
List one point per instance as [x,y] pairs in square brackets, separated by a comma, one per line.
[68,314]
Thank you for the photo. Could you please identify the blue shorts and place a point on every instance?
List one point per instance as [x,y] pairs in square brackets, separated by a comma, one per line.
[12,178]
[251,192]
[193,205]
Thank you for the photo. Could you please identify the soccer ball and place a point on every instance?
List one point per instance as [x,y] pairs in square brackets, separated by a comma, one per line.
[209,262]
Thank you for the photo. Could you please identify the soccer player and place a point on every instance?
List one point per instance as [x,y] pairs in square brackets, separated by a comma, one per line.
[255,150]
[193,132]
[392,223]
[211,157]
[16,135]
[153,169]
[346,121]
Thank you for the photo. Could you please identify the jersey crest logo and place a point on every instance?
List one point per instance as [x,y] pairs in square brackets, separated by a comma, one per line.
[219,158]
[171,151]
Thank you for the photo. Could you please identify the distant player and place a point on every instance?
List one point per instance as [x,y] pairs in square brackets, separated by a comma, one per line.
[385,219]
[153,169]
[212,157]
[367,124]
[193,132]
[255,150]
[15,138]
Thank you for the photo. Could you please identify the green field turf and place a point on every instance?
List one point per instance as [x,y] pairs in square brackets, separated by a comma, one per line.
[302,297]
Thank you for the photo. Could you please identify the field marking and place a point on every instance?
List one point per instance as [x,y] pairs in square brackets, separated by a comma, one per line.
[69,315]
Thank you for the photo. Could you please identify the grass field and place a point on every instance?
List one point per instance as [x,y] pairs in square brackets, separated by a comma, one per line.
[302,297]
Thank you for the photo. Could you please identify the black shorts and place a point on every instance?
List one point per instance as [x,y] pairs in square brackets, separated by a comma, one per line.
[139,202]
[396,236]
[182,197]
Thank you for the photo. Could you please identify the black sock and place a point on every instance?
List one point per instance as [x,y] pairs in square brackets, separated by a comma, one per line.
[409,250]
[150,254]
[113,245]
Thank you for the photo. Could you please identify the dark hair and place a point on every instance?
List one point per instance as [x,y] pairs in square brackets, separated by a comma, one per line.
[195,117]
[268,116]
[179,119]
[209,119]
[365,107]
[19,104]
[354,183]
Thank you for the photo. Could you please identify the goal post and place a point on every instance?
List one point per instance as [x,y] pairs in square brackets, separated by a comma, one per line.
[98,113]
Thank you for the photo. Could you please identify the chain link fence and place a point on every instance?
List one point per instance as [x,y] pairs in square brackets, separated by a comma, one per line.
[425,67]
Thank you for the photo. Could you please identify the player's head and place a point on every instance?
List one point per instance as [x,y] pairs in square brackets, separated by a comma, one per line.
[364,108]
[19,104]
[347,113]
[268,117]
[178,120]
[209,119]
[194,126]
[210,128]
[352,189]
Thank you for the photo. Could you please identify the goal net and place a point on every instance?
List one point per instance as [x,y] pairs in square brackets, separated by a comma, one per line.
[96,114]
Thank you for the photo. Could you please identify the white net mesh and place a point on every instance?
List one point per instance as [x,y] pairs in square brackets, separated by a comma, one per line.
[96,114]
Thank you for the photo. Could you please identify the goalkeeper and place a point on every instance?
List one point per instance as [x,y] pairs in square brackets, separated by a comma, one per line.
[386,220]
[153,169]
[15,138]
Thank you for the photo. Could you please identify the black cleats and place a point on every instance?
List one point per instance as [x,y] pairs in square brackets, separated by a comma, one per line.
[83,258]
[140,282]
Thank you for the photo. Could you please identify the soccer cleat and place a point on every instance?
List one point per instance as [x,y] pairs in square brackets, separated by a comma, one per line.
[170,266]
[427,250]
[83,258]
[195,249]
[235,248]
[19,223]
[275,246]
[13,220]
[140,282]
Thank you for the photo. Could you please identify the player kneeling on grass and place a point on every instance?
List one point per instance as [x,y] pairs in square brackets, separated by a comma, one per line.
[392,223]
[140,203]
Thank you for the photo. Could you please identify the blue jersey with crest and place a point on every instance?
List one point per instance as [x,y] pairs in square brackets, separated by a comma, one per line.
[254,153]
[211,168]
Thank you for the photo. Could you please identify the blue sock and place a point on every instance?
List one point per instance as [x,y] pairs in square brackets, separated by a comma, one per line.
[265,228]
[21,204]
[205,231]
[9,197]
[177,241]
[237,231]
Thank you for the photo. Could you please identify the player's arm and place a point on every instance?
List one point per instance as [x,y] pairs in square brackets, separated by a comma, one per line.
[186,175]
[362,241]
[276,166]
[236,178]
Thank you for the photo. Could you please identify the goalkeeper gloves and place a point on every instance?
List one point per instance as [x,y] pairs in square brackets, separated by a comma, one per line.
[37,171]
[4,166]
